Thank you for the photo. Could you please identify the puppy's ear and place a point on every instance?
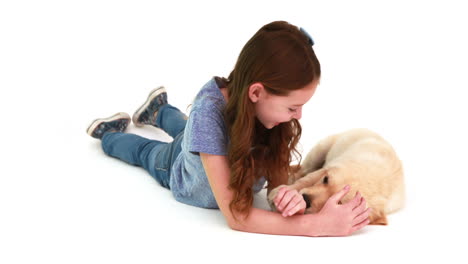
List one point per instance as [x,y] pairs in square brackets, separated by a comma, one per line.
[379,219]
[295,168]
[295,173]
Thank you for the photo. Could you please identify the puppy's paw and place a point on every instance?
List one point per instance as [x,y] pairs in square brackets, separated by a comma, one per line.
[272,195]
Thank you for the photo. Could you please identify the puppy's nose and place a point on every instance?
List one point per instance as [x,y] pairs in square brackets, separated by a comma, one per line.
[307,200]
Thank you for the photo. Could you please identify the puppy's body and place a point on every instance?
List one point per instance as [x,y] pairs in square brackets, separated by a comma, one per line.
[357,157]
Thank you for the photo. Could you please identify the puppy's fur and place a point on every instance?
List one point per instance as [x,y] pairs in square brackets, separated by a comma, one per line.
[357,157]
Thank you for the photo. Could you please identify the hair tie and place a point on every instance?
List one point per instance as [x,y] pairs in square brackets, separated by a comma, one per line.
[311,40]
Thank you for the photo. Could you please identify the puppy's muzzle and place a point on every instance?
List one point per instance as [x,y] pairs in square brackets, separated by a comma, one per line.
[307,200]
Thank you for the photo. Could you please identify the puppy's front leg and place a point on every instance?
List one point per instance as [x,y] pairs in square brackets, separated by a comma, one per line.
[273,193]
[271,197]
[306,181]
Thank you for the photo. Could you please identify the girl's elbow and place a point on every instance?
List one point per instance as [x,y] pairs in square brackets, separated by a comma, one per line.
[233,225]
[236,225]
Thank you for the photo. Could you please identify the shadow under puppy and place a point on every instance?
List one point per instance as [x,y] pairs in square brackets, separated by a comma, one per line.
[359,158]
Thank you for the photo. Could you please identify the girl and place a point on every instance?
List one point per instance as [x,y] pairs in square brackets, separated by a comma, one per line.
[241,132]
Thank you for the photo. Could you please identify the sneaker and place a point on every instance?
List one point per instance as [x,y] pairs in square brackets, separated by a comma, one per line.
[115,123]
[146,114]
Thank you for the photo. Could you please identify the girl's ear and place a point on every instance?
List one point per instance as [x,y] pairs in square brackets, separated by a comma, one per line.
[256,90]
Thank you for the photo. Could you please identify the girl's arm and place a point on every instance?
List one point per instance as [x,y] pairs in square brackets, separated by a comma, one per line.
[334,219]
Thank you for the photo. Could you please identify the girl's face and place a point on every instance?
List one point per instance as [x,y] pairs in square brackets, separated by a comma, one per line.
[271,110]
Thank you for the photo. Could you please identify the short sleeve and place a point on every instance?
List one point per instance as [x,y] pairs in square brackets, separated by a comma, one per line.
[207,131]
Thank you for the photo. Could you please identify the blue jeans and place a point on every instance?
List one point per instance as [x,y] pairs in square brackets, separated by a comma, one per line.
[155,156]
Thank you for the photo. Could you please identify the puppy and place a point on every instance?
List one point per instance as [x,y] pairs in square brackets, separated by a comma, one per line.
[359,158]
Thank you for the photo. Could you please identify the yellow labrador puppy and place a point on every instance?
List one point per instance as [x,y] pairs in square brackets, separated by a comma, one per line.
[359,158]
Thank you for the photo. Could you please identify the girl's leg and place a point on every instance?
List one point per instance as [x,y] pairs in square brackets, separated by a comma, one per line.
[155,156]
[156,111]
[171,120]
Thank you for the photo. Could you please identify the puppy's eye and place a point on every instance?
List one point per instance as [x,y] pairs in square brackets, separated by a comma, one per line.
[325,180]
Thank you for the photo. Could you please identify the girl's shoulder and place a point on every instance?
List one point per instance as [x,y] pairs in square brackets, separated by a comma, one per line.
[210,97]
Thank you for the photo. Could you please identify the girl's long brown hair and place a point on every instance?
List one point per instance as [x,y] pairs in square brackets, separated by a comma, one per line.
[280,57]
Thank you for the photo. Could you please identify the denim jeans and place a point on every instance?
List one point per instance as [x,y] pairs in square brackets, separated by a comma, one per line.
[155,156]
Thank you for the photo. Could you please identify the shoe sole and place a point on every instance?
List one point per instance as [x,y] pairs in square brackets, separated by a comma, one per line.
[95,123]
[154,93]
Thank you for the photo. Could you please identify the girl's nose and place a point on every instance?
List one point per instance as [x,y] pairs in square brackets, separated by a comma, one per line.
[298,114]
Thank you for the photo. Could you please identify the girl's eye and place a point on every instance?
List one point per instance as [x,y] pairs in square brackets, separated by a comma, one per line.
[292,110]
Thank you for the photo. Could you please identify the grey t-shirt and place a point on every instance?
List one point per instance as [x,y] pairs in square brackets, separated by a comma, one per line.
[205,132]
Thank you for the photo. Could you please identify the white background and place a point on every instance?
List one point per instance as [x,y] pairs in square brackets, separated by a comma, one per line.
[396,67]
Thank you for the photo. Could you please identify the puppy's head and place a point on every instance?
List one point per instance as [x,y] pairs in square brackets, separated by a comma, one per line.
[317,195]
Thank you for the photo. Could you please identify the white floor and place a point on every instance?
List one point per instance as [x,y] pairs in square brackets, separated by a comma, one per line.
[398,69]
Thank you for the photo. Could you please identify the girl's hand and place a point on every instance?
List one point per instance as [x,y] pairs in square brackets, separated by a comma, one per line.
[343,219]
[289,202]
